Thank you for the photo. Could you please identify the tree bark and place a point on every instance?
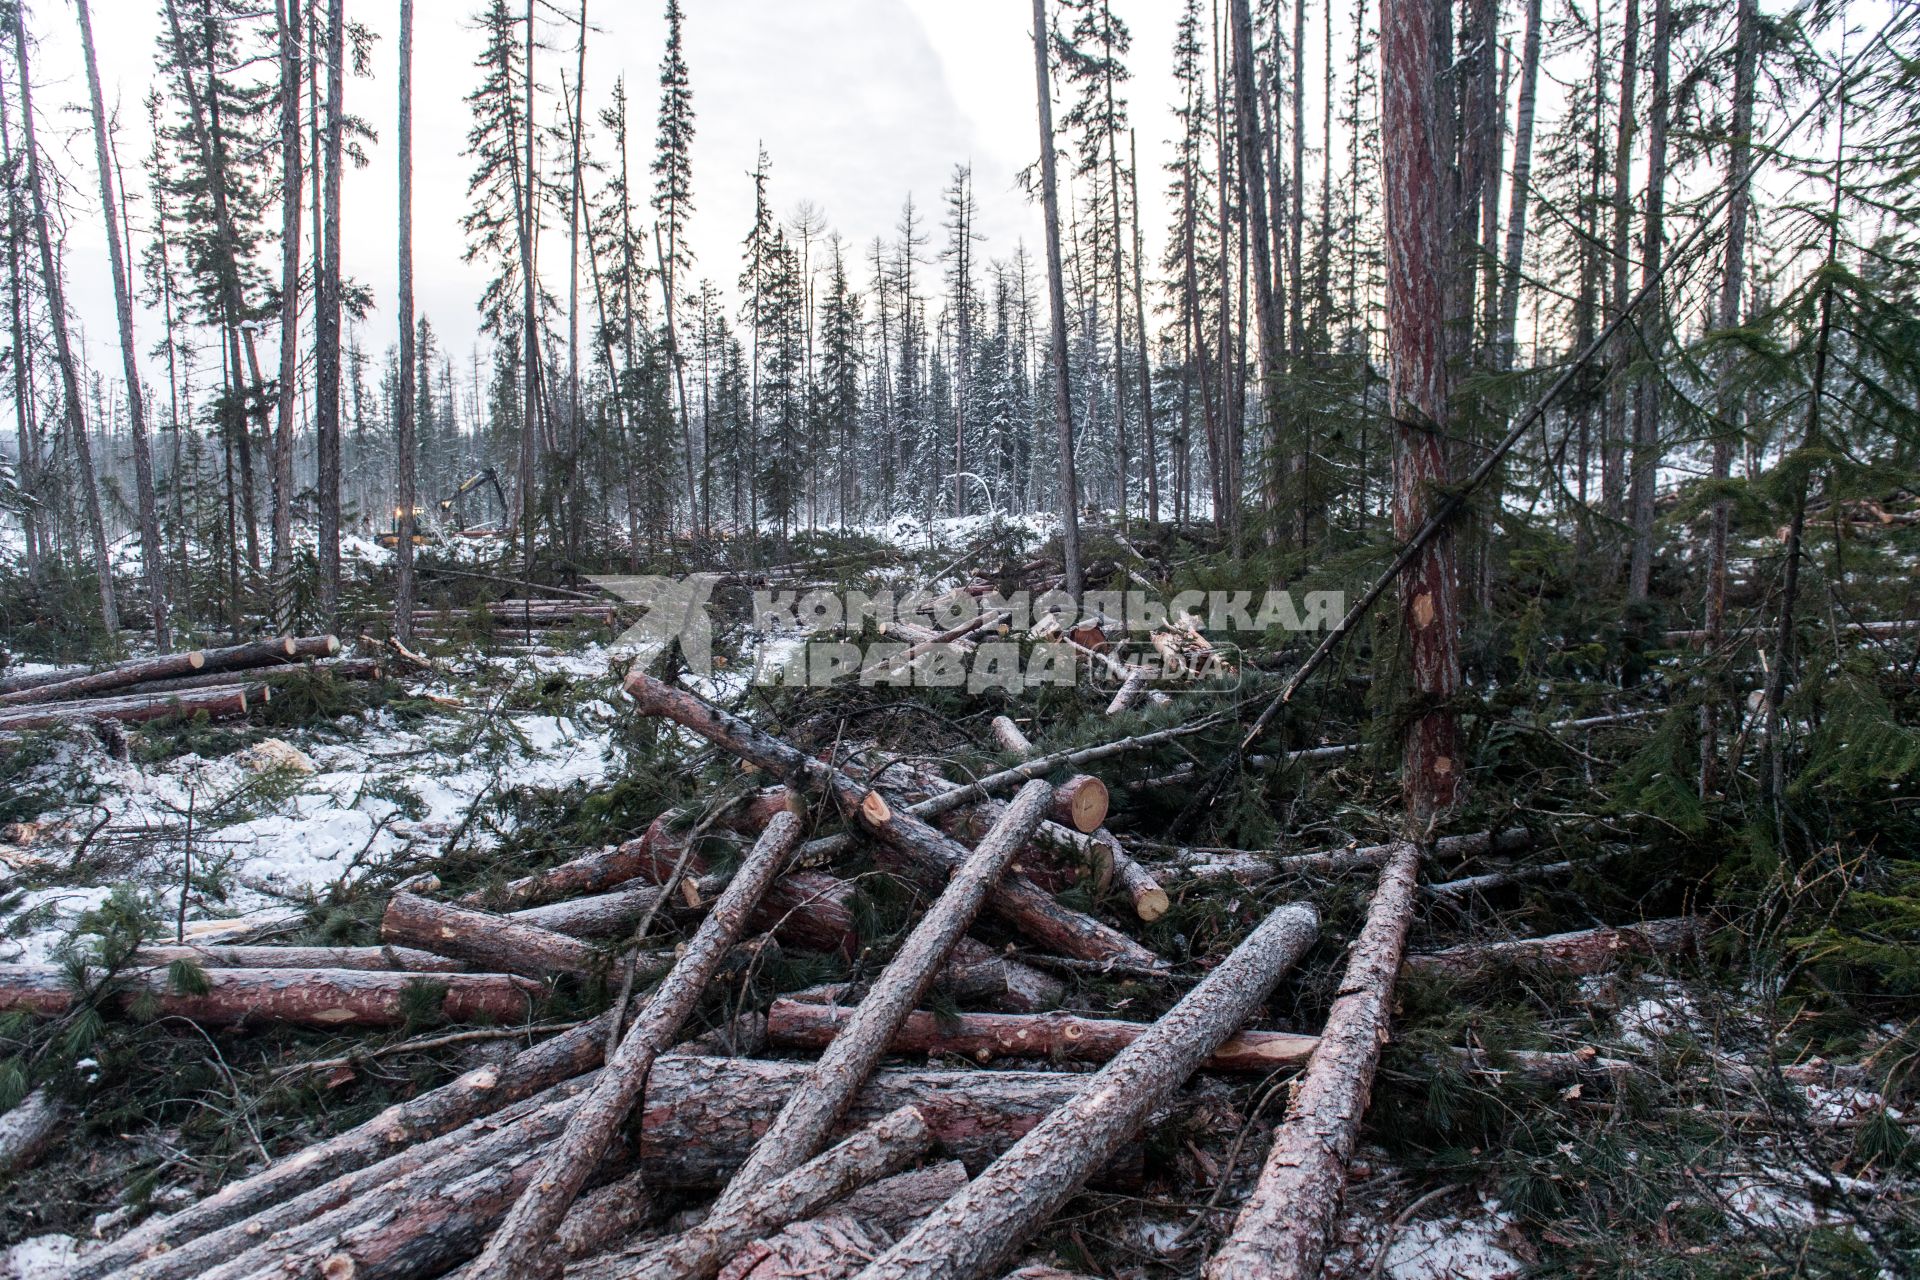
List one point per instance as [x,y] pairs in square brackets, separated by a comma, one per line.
[302,997]
[1584,952]
[326,394]
[62,340]
[813,1112]
[984,1225]
[839,1242]
[1007,735]
[877,1151]
[151,557]
[405,445]
[497,943]
[29,1129]
[406,1129]
[1613,461]
[292,175]
[926,850]
[216,704]
[240,657]
[523,1237]
[1282,1228]
[1646,406]
[1417,386]
[595,872]
[1059,1037]
[1069,495]
[272,677]
[1272,328]
[402,959]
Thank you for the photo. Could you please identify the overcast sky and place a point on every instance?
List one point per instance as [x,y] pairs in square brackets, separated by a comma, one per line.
[858,103]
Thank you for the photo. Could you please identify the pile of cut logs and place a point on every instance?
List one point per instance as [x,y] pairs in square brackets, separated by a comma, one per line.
[219,683]
[615,1147]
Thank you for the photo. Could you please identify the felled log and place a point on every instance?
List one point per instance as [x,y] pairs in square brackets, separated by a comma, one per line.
[810,1115]
[28,1130]
[1282,1229]
[405,959]
[976,973]
[275,1230]
[1059,1037]
[984,1225]
[496,942]
[339,669]
[593,872]
[1583,952]
[883,1148]
[912,842]
[416,1224]
[1220,864]
[842,1239]
[598,915]
[1081,803]
[525,1234]
[240,657]
[301,997]
[1182,775]
[1130,690]
[810,909]
[1892,627]
[1490,880]
[220,703]
[404,1127]
[1009,738]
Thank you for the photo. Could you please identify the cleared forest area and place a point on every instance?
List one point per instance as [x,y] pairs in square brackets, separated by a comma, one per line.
[1376,739]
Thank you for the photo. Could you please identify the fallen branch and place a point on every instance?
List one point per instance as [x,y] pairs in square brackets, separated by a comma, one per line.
[1282,1228]
[986,1224]
[1058,1037]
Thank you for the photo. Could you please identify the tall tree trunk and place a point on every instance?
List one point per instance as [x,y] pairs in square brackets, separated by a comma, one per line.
[526,201]
[1518,198]
[280,566]
[1733,282]
[327,321]
[25,426]
[575,431]
[1142,353]
[1417,381]
[1646,408]
[404,442]
[1613,458]
[1121,460]
[62,342]
[1253,180]
[1057,296]
[150,553]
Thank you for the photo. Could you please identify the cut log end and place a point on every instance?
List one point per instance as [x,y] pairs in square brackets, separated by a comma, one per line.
[1151,904]
[1081,803]
[875,809]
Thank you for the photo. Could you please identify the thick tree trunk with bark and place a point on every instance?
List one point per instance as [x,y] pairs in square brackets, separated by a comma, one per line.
[1282,1228]
[81,683]
[289,13]
[405,444]
[915,844]
[985,1225]
[877,1151]
[219,703]
[1068,500]
[495,942]
[1417,390]
[302,997]
[524,1236]
[837,1243]
[1652,323]
[803,1126]
[1058,1037]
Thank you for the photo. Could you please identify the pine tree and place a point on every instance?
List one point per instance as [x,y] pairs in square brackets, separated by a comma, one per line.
[842,338]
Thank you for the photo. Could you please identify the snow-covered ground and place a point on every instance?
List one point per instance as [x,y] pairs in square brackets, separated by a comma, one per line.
[283,825]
